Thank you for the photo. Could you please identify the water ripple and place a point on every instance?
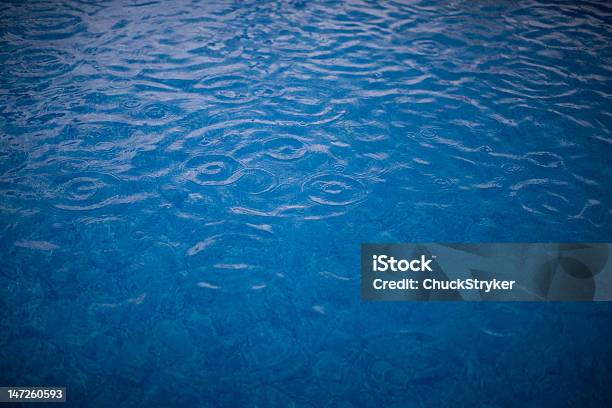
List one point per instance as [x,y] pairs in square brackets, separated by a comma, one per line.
[334,189]
[212,170]
[285,148]
[41,63]
[51,26]
[227,261]
[91,191]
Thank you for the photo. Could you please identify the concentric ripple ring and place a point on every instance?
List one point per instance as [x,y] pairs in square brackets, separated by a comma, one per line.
[334,189]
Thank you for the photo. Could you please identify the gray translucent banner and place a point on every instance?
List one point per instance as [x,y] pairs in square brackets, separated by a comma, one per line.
[484,272]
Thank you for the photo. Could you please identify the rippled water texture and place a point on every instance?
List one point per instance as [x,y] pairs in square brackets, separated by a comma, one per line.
[184,187]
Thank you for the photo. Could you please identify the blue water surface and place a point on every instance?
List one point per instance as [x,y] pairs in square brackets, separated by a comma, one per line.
[184,187]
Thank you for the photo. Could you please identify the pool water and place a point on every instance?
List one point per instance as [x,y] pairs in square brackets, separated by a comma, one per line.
[184,187]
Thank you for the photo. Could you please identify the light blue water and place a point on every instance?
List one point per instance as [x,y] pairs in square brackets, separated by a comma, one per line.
[184,187]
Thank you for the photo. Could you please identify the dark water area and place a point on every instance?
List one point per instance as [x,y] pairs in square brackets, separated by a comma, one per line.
[184,187]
